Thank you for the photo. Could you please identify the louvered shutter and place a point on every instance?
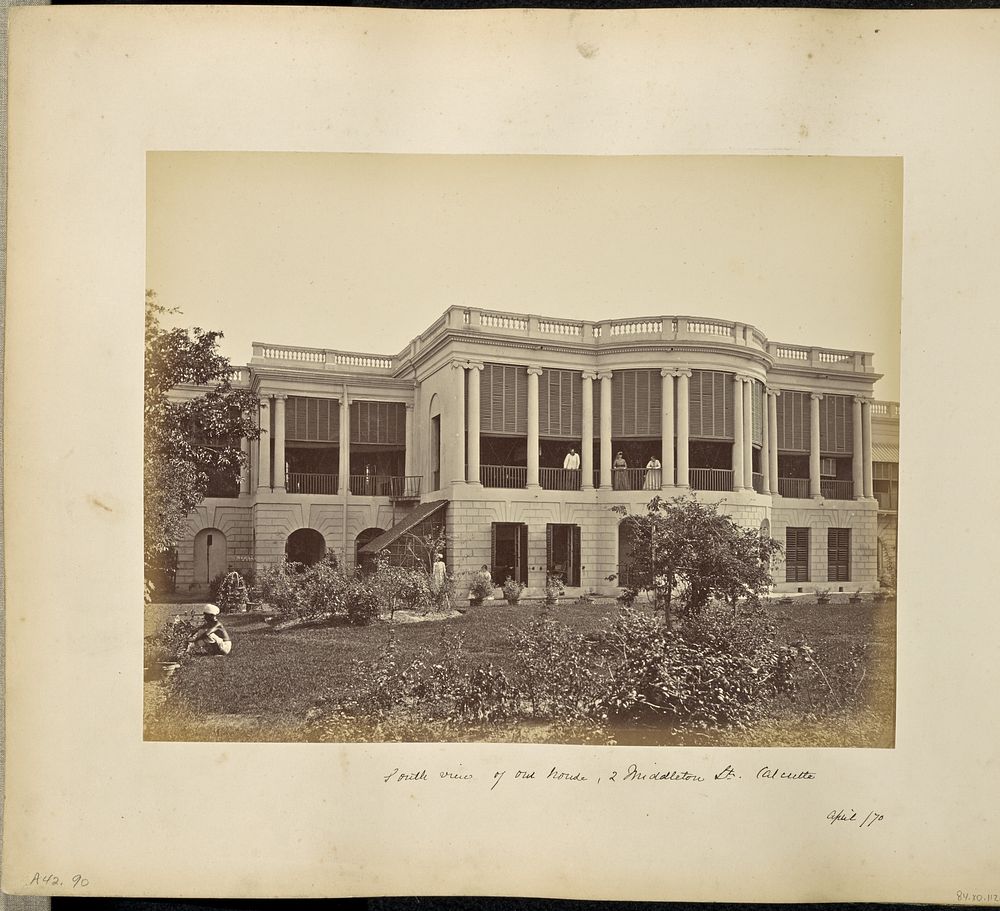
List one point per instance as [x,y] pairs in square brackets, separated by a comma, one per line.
[836,425]
[493,554]
[710,405]
[696,426]
[546,388]
[796,554]
[793,421]
[635,408]
[312,420]
[838,551]
[574,560]
[596,423]
[757,403]
[549,549]
[382,423]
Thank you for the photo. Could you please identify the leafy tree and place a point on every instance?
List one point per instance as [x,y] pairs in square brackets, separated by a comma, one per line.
[687,549]
[188,441]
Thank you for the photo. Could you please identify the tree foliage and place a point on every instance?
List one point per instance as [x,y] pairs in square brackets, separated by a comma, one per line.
[187,441]
[686,551]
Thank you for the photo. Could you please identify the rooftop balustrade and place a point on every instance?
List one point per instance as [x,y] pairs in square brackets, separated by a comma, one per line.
[598,334]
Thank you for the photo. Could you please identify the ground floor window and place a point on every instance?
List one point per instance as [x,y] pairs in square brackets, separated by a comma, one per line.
[796,554]
[562,553]
[838,551]
[509,552]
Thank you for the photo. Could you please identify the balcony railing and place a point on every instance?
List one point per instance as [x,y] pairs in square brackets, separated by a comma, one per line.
[559,478]
[635,478]
[304,482]
[758,482]
[710,478]
[793,487]
[837,490]
[507,476]
[376,485]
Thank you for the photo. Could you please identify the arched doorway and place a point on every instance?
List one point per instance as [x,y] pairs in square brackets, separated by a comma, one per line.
[305,546]
[366,537]
[210,555]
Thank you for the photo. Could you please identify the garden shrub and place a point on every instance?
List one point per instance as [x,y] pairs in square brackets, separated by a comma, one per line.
[556,672]
[281,588]
[363,602]
[170,643]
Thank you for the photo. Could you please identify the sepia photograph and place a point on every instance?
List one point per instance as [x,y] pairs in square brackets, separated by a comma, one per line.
[538,449]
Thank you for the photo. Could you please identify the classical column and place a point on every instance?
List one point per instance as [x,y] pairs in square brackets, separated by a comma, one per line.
[683,411]
[772,440]
[815,489]
[866,446]
[408,442]
[667,429]
[748,433]
[533,374]
[587,432]
[858,454]
[738,427]
[264,445]
[344,479]
[245,468]
[472,469]
[280,475]
[765,445]
[605,379]
[458,437]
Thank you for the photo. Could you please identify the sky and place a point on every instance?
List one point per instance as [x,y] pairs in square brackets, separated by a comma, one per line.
[362,252]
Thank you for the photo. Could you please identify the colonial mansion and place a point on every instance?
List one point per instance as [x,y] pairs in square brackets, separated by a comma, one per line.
[516,434]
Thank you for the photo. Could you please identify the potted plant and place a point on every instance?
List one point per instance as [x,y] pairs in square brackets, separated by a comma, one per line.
[481,587]
[512,590]
[856,597]
[822,596]
[553,588]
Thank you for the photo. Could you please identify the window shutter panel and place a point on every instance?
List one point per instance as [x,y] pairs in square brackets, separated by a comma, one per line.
[575,558]
[290,406]
[757,402]
[836,425]
[641,379]
[313,419]
[695,398]
[548,548]
[521,403]
[596,424]
[493,548]
[544,410]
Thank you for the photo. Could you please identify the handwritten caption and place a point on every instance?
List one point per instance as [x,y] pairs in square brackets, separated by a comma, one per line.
[853,817]
[629,773]
[77,880]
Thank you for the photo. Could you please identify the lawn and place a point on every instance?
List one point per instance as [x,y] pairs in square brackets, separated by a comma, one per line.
[264,688]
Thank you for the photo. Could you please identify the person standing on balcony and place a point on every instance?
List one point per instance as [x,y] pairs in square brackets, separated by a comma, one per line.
[572,460]
[652,481]
[620,468]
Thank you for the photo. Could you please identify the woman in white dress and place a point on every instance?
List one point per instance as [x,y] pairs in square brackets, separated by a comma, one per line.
[652,481]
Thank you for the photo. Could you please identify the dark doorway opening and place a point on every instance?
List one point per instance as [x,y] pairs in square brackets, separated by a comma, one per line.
[563,553]
[509,552]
